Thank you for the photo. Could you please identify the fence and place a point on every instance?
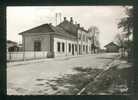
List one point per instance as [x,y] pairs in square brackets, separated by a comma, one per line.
[16,56]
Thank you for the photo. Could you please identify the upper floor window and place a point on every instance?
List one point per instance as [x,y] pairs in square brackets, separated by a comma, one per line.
[79,36]
[86,39]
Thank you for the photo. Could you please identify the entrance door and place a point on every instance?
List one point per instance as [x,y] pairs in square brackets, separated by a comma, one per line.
[72,49]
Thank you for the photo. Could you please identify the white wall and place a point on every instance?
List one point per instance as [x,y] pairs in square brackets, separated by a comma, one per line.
[28,42]
[66,50]
[15,56]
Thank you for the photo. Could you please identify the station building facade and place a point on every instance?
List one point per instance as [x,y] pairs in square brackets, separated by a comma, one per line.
[65,39]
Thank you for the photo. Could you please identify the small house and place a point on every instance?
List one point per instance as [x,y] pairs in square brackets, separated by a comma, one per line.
[12,46]
[112,47]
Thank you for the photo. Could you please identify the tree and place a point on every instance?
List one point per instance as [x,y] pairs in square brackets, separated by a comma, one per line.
[120,40]
[126,23]
[94,34]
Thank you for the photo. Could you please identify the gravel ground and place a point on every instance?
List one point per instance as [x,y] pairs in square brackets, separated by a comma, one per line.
[35,78]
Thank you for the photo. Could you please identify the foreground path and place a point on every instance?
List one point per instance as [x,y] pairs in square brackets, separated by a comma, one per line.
[21,79]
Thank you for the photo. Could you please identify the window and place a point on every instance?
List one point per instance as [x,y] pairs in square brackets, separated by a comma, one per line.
[83,47]
[63,47]
[86,49]
[69,47]
[72,49]
[79,36]
[37,45]
[79,49]
[75,47]
[83,37]
[86,39]
[58,46]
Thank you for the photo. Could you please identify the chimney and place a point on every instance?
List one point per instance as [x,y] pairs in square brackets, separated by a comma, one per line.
[71,20]
[65,18]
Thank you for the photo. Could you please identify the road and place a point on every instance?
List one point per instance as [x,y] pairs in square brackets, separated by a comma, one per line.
[21,79]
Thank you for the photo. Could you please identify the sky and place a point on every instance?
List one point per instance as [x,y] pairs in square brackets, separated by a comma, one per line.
[21,18]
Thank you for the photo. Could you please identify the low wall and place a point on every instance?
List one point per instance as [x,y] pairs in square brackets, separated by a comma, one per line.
[16,56]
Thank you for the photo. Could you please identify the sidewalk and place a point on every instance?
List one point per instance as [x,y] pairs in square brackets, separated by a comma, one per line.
[16,63]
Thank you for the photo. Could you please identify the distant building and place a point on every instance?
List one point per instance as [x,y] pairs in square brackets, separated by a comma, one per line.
[12,46]
[65,39]
[112,47]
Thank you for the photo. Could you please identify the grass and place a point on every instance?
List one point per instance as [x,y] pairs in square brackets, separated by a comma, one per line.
[114,81]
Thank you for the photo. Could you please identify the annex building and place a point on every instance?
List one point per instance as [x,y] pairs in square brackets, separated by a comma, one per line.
[65,39]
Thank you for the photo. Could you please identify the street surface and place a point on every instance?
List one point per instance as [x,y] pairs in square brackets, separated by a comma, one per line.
[21,79]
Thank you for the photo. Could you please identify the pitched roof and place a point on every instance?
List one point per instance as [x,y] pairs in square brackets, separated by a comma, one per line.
[69,27]
[60,31]
[9,41]
[112,44]
[44,28]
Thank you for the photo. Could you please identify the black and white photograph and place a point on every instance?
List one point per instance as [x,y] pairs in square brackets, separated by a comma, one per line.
[69,50]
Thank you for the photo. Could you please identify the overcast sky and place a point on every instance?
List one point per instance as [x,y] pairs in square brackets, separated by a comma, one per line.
[104,17]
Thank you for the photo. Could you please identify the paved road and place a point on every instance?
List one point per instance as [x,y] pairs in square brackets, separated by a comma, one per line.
[23,77]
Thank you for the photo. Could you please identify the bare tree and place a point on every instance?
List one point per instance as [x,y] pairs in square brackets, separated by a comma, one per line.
[120,40]
[94,34]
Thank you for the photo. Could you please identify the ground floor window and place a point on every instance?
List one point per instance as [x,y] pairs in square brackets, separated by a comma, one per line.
[79,49]
[83,47]
[69,47]
[58,46]
[37,45]
[75,47]
[86,49]
[63,47]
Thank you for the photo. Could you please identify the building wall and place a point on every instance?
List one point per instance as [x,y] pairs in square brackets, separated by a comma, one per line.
[46,44]
[84,42]
[28,42]
[66,52]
